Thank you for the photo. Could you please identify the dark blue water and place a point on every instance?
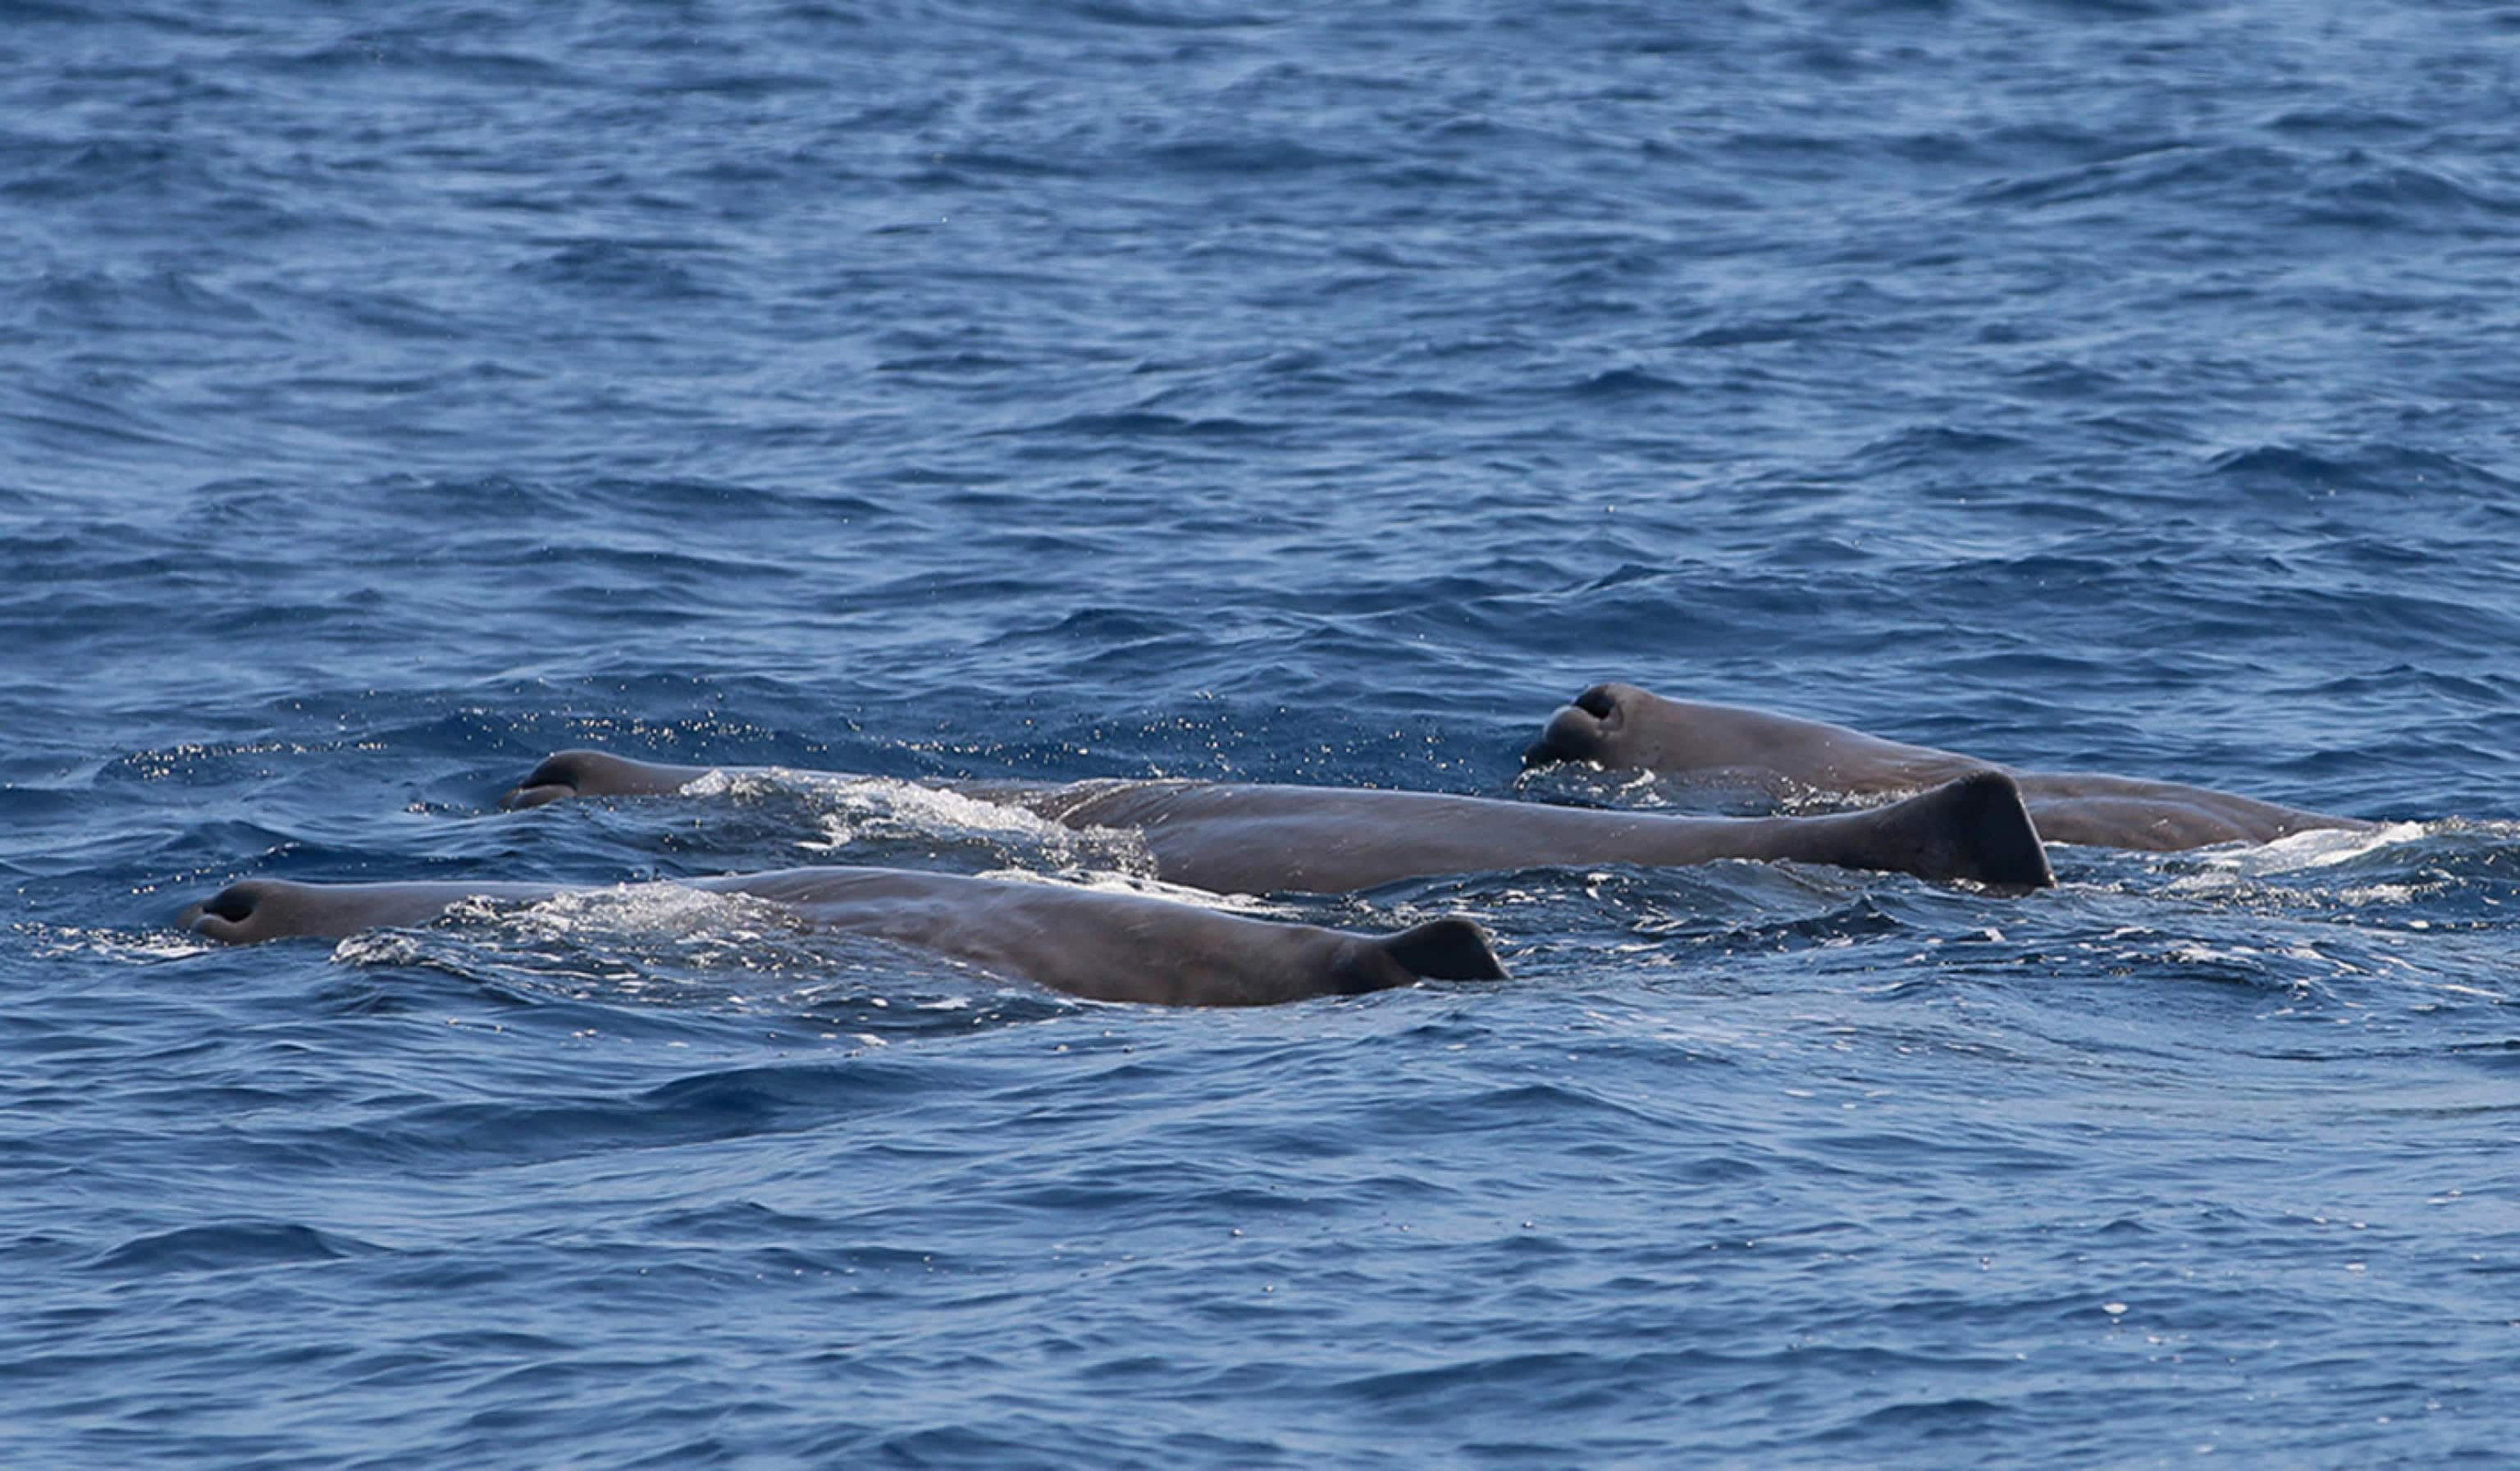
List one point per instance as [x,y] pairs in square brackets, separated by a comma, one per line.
[391,395]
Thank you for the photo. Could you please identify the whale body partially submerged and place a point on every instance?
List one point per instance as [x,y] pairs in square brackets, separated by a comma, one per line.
[1085,942]
[1621,725]
[1259,838]
[1971,823]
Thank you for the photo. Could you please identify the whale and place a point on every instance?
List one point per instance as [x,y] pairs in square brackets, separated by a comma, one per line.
[1623,727]
[1111,947]
[1262,838]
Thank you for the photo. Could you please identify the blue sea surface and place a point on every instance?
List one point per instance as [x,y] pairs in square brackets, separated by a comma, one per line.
[1065,388]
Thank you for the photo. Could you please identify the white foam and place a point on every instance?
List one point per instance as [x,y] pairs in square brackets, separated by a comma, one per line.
[857,808]
[660,908]
[378,947]
[667,910]
[52,942]
[2377,893]
[2318,848]
[1108,881]
[2208,954]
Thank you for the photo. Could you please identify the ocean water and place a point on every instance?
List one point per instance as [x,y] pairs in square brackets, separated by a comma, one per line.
[390,396]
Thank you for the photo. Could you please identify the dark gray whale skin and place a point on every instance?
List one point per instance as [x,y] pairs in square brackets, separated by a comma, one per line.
[1086,941]
[1255,838]
[1621,725]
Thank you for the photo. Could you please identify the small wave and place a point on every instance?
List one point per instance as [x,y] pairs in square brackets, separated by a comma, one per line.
[1748,332]
[2384,469]
[223,1247]
[1624,382]
[1170,18]
[2172,171]
[1141,424]
[104,165]
[2406,197]
[1242,158]
[597,1118]
[638,268]
[1935,444]
[416,50]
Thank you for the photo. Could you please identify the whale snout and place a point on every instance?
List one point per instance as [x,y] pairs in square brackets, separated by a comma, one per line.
[555,778]
[226,915]
[1577,732]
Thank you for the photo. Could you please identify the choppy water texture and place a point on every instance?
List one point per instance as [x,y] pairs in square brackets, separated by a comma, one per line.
[391,395]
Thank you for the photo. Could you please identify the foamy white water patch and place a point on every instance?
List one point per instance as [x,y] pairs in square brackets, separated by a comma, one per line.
[855,809]
[646,910]
[659,943]
[2226,871]
[2320,848]
[1108,882]
[55,941]
[671,910]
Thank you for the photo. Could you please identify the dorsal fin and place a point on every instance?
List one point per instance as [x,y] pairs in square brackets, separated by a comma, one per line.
[1991,829]
[1445,949]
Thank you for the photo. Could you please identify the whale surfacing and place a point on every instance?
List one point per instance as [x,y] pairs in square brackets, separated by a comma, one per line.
[1263,837]
[1623,727]
[1085,942]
